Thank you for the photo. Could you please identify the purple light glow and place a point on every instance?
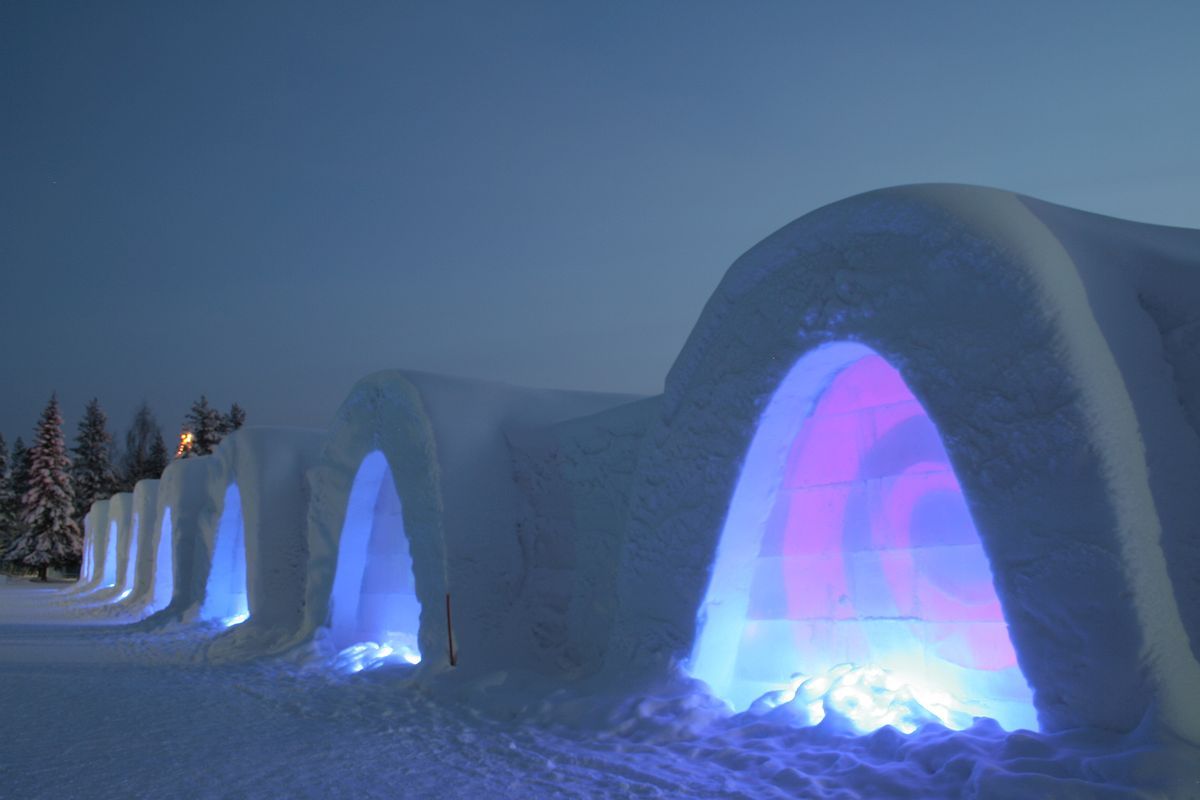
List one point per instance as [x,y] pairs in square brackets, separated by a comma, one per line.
[848,540]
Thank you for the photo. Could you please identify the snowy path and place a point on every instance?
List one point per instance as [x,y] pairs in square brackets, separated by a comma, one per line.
[92,711]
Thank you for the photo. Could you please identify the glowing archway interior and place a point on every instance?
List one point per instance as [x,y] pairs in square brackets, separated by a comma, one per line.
[164,570]
[848,542]
[374,590]
[85,569]
[130,560]
[225,592]
[109,577]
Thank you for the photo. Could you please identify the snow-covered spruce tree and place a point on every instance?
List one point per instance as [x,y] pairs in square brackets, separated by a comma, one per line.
[7,521]
[14,511]
[92,474]
[158,458]
[139,460]
[205,424]
[235,419]
[52,537]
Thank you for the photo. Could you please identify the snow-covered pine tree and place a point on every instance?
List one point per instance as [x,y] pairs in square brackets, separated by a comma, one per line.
[204,423]
[18,481]
[92,473]
[159,458]
[237,416]
[52,537]
[7,522]
[234,420]
[139,461]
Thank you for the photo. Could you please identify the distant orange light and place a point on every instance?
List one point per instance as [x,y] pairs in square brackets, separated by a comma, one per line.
[186,440]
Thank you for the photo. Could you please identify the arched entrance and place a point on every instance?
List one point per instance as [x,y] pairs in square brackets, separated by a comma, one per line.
[109,578]
[225,591]
[849,575]
[164,569]
[374,590]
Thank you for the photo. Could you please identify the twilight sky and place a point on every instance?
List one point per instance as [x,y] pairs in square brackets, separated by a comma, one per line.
[266,201]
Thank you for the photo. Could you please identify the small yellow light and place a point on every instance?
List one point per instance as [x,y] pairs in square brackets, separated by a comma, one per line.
[186,440]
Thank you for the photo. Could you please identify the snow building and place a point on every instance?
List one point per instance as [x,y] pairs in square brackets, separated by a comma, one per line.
[942,430]
[926,438]
[95,534]
[116,547]
[140,571]
[412,501]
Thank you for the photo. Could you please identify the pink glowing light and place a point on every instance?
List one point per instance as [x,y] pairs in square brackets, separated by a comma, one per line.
[865,551]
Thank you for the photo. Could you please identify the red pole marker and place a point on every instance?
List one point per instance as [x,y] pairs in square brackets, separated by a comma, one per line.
[450,632]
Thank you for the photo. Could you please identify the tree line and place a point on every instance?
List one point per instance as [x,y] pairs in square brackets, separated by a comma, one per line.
[46,489]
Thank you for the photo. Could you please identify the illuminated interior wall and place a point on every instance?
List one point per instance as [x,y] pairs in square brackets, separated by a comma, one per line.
[131,558]
[225,591]
[848,540]
[110,558]
[374,592]
[85,569]
[164,567]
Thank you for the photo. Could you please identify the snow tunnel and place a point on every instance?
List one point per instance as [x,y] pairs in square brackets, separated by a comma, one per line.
[225,591]
[374,588]
[109,578]
[164,570]
[849,574]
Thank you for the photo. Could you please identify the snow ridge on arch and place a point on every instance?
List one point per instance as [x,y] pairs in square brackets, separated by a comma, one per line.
[987,318]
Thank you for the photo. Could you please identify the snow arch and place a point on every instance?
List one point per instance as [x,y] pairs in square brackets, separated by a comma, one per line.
[129,578]
[848,542]
[1027,346]
[164,568]
[225,589]
[109,576]
[374,589]
[385,415]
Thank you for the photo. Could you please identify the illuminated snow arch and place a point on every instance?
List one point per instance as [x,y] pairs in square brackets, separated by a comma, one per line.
[849,559]
[225,590]
[164,565]
[374,600]
[1052,403]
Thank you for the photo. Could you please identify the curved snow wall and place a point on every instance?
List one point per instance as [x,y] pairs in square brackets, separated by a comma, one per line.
[990,323]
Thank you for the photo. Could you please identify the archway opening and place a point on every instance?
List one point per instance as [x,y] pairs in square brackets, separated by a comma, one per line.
[374,601]
[131,554]
[109,578]
[850,579]
[89,544]
[225,591]
[164,569]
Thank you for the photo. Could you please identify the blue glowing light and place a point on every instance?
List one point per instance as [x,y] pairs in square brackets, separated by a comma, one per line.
[164,569]
[370,655]
[849,555]
[109,577]
[131,559]
[225,592]
[373,603]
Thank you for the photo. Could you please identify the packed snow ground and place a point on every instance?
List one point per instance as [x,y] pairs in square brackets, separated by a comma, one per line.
[92,709]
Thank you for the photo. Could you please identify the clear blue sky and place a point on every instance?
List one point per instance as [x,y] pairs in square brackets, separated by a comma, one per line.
[266,201]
